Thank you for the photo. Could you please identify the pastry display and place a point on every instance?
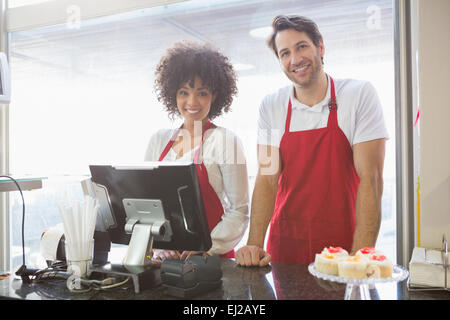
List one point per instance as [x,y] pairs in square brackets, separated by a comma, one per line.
[367,262]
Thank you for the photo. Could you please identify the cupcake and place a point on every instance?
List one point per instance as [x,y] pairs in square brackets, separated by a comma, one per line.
[379,266]
[367,252]
[327,263]
[353,267]
[336,251]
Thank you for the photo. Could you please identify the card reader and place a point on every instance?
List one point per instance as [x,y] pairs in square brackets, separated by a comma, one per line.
[186,278]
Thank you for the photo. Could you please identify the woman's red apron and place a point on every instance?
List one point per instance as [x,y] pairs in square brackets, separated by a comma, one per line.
[211,202]
[315,204]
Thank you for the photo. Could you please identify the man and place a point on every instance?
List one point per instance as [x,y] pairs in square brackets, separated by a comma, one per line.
[321,145]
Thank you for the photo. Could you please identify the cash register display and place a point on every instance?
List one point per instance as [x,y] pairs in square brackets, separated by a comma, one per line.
[172,185]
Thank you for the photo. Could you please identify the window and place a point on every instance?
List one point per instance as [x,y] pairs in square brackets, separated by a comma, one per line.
[20,3]
[83,92]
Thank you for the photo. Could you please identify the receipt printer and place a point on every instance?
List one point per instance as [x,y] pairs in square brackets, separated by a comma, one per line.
[187,278]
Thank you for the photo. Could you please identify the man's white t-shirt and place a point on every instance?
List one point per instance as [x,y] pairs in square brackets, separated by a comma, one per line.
[359,113]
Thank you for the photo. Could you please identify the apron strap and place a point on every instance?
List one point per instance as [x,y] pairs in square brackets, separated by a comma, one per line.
[288,116]
[332,106]
[200,149]
[170,144]
[173,138]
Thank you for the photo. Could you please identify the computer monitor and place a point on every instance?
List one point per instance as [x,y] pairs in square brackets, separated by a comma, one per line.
[5,82]
[151,205]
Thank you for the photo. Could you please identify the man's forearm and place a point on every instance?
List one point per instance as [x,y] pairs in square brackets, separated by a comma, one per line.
[263,203]
[367,212]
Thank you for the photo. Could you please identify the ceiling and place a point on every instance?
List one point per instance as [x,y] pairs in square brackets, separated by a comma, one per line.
[133,43]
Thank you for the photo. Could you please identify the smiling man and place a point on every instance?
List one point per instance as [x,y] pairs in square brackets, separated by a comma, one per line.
[321,145]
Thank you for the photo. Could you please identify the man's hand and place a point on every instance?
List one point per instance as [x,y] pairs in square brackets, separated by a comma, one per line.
[263,202]
[252,256]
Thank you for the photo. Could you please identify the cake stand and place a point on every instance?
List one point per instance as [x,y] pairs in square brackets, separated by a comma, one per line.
[358,289]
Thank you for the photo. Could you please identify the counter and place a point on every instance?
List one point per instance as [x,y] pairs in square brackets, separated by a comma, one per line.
[277,281]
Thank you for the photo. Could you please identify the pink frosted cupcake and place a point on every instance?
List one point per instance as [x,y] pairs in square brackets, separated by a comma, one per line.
[367,252]
[327,261]
[335,251]
[379,266]
[353,267]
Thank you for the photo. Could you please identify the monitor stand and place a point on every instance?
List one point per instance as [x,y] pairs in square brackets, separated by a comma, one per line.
[144,277]
[137,261]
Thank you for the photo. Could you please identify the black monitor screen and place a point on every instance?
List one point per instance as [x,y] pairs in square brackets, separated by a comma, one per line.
[178,189]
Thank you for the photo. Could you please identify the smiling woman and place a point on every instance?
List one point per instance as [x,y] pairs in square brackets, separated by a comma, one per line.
[194,101]
[197,83]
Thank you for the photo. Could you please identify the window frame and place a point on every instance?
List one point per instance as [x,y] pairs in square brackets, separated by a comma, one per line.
[55,12]
[403,22]
[5,225]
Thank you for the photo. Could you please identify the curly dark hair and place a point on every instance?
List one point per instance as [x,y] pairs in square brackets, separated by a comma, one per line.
[185,60]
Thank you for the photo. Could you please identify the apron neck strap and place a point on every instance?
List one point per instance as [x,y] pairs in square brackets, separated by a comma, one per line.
[288,116]
[332,106]
[174,137]
[200,149]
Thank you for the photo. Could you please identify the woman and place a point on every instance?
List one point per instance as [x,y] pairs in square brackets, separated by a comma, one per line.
[197,83]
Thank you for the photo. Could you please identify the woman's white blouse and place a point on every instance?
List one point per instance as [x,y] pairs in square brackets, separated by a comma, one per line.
[223,157]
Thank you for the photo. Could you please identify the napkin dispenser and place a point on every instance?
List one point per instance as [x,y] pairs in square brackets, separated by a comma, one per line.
[187,278]
[429,269]
[52,245]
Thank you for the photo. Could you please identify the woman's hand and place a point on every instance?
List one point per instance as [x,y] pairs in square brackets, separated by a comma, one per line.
[161,255]
[186,254]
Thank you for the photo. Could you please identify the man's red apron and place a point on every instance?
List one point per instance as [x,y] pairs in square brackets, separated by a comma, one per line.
[211,202]
[315,204]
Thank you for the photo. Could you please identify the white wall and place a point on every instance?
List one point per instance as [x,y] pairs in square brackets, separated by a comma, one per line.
[434,102]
